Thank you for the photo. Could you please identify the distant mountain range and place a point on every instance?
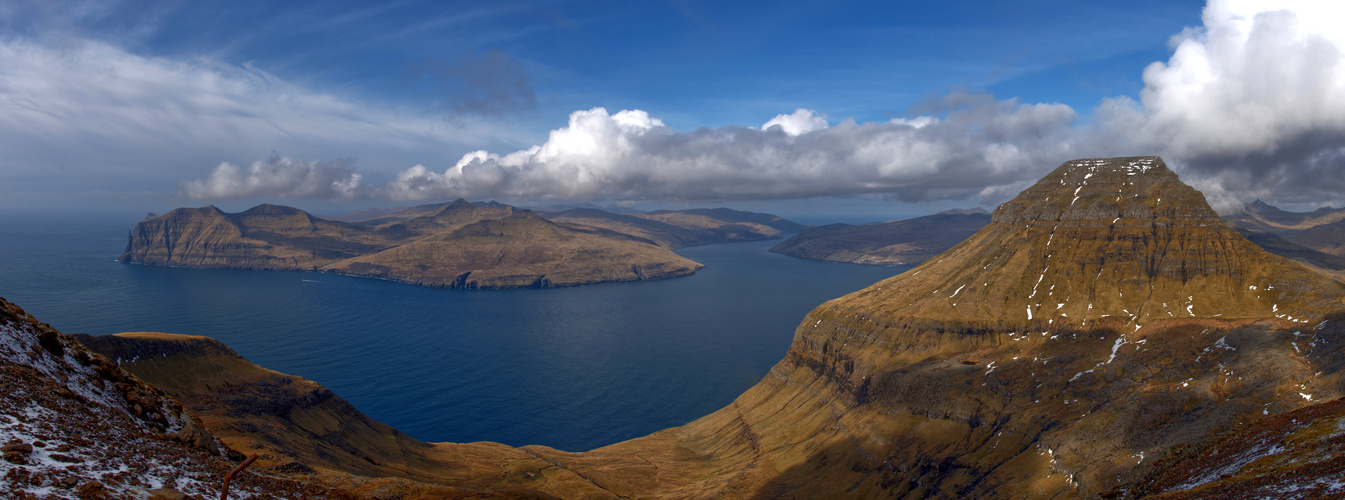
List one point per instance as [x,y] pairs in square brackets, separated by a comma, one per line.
[684,228]
[906,241]
[459,244]
[1316,238]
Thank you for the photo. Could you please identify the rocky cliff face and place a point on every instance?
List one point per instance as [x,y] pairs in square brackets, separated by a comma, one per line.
[907,241]
[78,426]
[459,244]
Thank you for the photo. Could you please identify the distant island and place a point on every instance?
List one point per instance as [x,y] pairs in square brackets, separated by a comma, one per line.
[898,242]
[456,245]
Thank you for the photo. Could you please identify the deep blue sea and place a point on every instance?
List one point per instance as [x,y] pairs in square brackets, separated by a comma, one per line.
[572,368]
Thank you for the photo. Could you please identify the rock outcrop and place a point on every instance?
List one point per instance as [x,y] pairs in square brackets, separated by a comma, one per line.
[459,244]
[898,242]
[78,426]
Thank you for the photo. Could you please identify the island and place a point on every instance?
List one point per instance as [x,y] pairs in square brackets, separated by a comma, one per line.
[454,245]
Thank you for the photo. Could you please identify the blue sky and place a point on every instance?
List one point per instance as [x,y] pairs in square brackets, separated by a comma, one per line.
[337,105]
[697,64]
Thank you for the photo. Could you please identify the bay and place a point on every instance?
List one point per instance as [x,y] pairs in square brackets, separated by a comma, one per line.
[571,368]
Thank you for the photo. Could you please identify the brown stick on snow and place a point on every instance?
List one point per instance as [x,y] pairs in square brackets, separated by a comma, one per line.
[224,491]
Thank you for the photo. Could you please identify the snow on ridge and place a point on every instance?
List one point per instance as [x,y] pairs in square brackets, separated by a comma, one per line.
[21,346]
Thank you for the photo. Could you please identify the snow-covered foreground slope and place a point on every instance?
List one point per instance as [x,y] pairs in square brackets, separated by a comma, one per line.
[75,425]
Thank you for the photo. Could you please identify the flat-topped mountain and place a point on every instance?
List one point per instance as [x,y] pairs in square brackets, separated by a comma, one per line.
[1103,335]
[1115,238]
[458,244]
[684,228]
[906,241]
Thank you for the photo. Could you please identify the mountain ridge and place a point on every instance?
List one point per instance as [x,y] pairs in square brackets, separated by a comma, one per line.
[1322,230]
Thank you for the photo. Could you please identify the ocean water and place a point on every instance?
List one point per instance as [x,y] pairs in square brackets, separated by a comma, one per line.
[572,368]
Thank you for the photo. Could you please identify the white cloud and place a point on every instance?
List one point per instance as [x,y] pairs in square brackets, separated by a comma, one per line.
[1252,103]
[277,176]
[632,156]
[801,121]
[1253,78]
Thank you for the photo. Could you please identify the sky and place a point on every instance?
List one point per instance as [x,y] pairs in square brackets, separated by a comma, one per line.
[867,109]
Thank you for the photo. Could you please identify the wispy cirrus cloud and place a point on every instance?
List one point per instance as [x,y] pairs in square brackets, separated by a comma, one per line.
[87,103]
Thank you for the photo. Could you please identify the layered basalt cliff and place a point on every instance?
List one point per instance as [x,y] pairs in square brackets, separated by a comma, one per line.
[459,244]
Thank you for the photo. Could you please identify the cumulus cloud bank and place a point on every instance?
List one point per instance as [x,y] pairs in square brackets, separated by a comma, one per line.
[1250,104]
[629,155]
[278,176]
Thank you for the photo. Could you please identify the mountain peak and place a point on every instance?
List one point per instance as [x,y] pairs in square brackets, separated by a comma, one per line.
[1118,238]
[1132,188]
